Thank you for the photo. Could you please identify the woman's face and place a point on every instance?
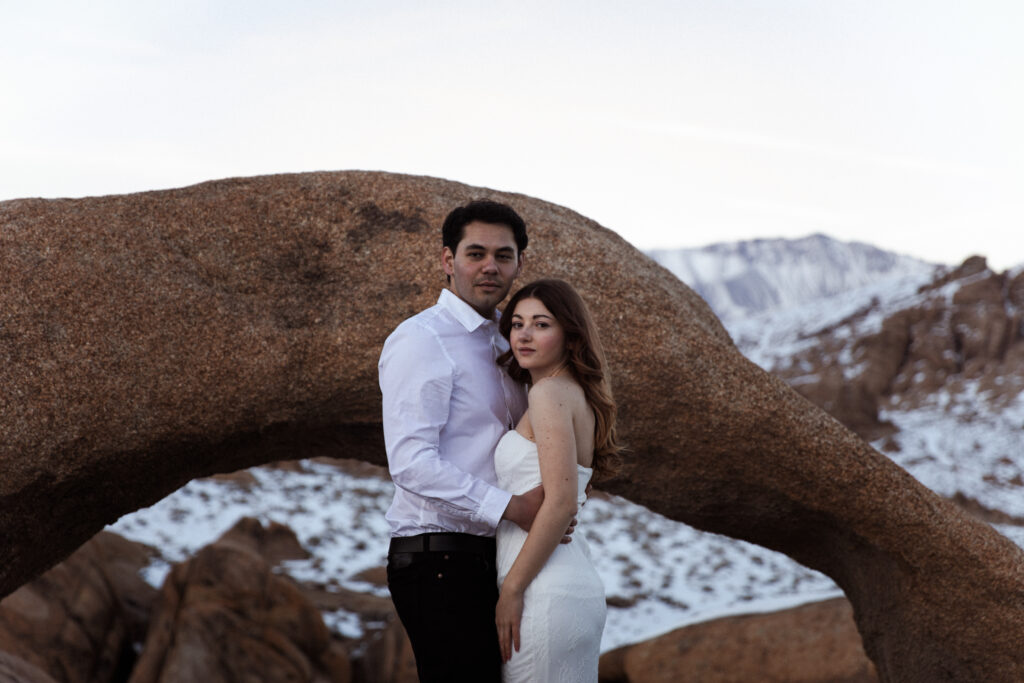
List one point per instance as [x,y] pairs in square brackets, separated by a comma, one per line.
[537,339]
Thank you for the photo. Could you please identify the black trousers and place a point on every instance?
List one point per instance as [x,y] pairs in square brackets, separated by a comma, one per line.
[446,599]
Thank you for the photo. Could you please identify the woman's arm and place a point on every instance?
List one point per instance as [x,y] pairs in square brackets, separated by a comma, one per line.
[551,412]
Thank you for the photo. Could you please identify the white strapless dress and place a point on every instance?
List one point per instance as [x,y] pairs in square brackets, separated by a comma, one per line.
[564,607]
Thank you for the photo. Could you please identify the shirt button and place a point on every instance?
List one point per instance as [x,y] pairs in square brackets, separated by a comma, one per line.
[446,557]
[440,575]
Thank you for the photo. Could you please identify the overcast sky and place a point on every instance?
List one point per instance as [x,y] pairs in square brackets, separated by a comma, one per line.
[893,122]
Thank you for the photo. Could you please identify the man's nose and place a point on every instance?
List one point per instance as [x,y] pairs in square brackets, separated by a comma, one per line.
[490,265]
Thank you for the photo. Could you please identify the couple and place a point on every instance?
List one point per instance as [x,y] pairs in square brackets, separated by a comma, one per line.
[473,455]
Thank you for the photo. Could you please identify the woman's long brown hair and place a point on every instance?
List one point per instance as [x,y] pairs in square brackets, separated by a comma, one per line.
[585,359]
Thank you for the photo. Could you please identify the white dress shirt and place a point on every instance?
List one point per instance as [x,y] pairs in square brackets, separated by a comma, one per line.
[446,405]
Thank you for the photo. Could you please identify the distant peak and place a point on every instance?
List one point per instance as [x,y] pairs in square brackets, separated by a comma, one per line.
[754,276]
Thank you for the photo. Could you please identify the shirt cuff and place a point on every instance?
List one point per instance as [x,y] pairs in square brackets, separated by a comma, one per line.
[493,506]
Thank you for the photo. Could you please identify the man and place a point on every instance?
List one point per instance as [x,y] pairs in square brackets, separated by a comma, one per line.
[446,404]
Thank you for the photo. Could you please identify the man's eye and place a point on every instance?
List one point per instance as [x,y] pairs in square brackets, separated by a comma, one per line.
[504,257]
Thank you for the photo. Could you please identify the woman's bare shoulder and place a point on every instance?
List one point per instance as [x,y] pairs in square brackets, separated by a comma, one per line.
[560,391]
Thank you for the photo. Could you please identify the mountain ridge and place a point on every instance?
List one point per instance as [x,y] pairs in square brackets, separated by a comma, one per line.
[750,277]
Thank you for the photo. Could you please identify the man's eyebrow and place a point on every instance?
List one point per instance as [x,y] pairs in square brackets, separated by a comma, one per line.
[480,246]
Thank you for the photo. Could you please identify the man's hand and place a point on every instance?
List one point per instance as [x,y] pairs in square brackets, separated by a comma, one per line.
[567,538]
[522,510]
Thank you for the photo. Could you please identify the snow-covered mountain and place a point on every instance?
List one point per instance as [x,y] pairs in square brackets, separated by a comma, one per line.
[739,279]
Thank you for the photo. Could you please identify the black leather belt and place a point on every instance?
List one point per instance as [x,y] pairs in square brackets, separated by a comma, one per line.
[443,542]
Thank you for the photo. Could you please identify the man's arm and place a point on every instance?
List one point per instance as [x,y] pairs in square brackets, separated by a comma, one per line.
[522,509]
[416,385]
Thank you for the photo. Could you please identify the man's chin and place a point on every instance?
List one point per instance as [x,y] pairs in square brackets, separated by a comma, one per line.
[489,304]
[492,298]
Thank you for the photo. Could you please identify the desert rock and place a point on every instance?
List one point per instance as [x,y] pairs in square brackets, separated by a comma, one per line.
[382,654]
[274,542]
[80,621]
[807,644]
[14,669]
[224,615]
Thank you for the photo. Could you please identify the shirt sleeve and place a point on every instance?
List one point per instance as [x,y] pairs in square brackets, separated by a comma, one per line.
[416,384]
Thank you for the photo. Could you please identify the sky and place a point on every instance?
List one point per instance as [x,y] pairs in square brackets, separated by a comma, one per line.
[675,124]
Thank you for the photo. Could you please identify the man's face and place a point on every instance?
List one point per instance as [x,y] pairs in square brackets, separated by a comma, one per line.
[484,265]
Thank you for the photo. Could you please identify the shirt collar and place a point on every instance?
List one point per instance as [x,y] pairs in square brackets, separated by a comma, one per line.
[461,311]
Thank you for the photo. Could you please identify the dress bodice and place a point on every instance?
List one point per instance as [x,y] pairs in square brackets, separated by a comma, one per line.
[518,469]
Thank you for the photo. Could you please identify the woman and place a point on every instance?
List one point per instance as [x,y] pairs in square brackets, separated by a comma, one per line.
[551,609]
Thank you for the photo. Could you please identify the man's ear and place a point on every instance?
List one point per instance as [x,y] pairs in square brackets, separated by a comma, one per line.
[519,268]
[448,261]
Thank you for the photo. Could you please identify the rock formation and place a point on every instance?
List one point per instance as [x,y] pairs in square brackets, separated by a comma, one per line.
[225,616]
[382,655]
[149,339]
[14,669]
[807,644]
[87,618]
[966,326]
[80,621]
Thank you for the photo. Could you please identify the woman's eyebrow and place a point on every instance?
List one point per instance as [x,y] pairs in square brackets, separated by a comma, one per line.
[538,315]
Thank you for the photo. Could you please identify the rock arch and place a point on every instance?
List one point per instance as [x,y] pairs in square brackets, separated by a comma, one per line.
[149,339]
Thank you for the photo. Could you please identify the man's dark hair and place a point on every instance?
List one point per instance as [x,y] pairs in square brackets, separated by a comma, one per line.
[485,211]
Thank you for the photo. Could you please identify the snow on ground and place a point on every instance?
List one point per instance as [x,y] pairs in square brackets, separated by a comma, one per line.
[660,573]
[965,447]
[670,574]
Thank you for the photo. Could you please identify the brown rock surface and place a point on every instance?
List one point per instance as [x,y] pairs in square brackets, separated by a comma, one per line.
[813,643]
[149,339]
[274,542]
[383,654]
[79,621]
[14,669]
[225,616]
